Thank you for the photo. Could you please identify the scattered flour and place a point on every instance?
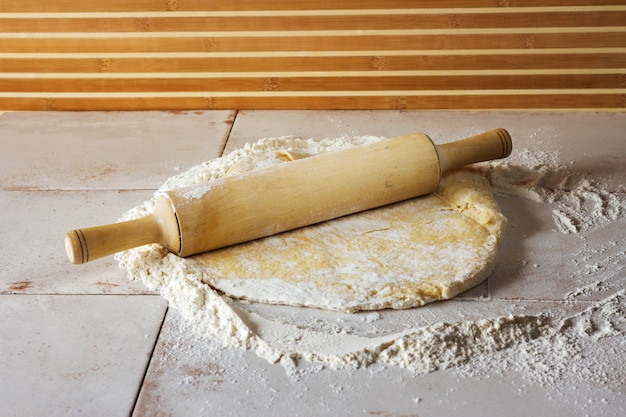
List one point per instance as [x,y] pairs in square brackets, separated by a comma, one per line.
[543,347]
[580,202]
[583,349]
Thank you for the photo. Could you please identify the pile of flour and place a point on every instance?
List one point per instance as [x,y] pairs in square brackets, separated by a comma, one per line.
[540,343]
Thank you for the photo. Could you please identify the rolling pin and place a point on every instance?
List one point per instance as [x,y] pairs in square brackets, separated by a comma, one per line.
[287,196]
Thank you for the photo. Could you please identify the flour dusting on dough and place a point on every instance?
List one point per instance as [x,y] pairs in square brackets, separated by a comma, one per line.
[400,256]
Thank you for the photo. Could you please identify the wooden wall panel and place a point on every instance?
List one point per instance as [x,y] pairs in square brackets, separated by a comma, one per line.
[283,54]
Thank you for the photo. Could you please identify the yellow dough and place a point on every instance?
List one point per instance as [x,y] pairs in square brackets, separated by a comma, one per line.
[399,256]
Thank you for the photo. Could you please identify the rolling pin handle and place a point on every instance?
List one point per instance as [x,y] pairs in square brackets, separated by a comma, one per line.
[86,245]
[494,144]
[76,247]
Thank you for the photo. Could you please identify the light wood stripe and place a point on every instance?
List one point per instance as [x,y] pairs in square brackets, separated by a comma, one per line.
[185,54]
[318,33]
[283,54]
[340,93]
[308,54]
[316,74]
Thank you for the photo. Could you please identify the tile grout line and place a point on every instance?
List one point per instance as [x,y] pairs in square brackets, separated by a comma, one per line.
[145,373]
[37,189]
[156,341]
[232,125]
[81,294]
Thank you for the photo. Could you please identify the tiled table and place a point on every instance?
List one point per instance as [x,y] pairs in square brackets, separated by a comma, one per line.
[83,340]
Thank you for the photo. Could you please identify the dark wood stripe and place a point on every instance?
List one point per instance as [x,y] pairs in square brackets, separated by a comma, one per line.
[453,41]
[224,5]
[316,63]
[296,83]
[315,23]
[485,102]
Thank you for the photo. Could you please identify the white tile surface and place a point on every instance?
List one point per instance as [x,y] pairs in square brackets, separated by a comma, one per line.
[98,156]
[547,265]
[72,342]
[32,232]
[105,150]
[593,141]
[189,375]
[75,355]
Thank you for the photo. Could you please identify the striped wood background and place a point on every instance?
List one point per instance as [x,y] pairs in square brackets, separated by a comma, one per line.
[304,54]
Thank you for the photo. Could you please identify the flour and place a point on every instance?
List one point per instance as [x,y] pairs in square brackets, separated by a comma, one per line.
[572,350]
[580,202]
[546,347]
[198,192]
[256,156]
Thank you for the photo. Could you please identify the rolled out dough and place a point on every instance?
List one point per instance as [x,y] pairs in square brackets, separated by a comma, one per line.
[400,256]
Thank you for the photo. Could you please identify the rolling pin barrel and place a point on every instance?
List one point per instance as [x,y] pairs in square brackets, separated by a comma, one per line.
[287,196]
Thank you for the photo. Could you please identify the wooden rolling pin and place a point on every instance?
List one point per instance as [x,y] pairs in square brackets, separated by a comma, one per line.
[299,193]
